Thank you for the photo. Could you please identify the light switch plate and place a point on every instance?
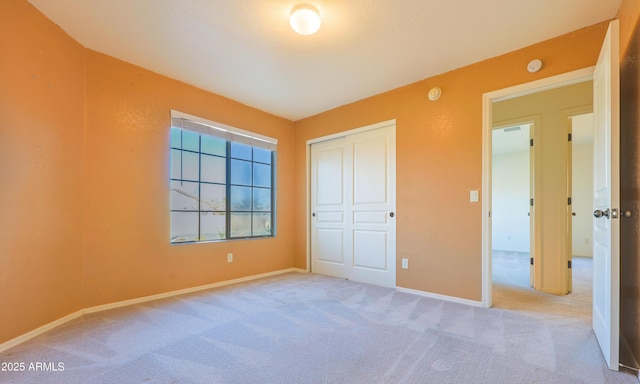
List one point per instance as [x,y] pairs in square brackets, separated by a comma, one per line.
[473,196]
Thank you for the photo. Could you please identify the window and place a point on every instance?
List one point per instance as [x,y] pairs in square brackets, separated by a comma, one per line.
[222,182]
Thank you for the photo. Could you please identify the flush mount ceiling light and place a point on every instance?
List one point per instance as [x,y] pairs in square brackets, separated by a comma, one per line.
[305,19]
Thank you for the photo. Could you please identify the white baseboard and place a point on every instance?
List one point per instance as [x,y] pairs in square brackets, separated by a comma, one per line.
[440,297]
[143,299]
[47,327]
[39,331]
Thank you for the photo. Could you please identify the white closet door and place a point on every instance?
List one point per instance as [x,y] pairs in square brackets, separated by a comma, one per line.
[353,207]
[329,243]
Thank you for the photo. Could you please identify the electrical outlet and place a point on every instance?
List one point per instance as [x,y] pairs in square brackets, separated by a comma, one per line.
[405,263]
[229,257]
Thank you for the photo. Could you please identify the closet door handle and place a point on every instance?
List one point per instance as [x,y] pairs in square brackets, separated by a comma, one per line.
[392,214]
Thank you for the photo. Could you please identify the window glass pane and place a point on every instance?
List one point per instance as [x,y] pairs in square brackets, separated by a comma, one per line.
[240,172]
[261,224]
[190,141]
[212,226]
[184,196]
[176,140]
[240,224]
[261,199]
[240,198]
[240,151]
[261,175]
[214,169]
[213,197]
[190,166]
[175,164]
[213,145]
[184,226]
[262,155]
[218,184]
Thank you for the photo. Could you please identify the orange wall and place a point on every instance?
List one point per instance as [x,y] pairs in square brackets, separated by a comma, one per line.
[439,159]
[629,16]
[41,147]
[84,183]
[127,251]
[84,194]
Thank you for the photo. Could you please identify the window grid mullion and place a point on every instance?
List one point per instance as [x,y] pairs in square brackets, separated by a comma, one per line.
[228,209]
[228,193]
[199,187]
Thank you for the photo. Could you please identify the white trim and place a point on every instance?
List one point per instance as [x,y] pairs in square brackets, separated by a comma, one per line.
[178,292]
[488,99]
[223,127]
[557,81]
[370,127]
[56,323]
[451,299]
[307,218]
[39,331]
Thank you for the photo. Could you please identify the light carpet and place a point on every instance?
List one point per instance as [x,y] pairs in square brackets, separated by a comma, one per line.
[307,328]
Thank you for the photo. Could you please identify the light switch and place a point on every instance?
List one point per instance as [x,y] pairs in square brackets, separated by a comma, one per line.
[473,196]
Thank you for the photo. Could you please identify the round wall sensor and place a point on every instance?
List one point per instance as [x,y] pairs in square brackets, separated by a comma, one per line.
[534,65]
[434,93]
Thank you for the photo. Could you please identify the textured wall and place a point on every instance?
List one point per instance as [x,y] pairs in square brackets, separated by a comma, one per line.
[84,188]
[439,159]
[127,252]
[41,166]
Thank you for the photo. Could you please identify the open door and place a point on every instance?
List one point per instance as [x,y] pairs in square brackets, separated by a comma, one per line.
[606,226]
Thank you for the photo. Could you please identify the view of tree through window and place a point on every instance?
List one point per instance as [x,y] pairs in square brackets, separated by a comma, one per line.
[220,189]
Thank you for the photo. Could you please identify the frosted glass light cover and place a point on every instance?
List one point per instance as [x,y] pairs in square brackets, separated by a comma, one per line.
[305,20]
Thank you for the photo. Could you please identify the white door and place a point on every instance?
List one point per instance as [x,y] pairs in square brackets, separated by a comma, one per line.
[353,207]
[328,202]
[606,226]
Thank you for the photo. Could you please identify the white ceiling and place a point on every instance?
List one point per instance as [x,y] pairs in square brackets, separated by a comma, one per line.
[246,51]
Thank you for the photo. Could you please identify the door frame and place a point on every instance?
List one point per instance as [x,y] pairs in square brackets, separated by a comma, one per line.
[557,81]
[308,175]
[567,115]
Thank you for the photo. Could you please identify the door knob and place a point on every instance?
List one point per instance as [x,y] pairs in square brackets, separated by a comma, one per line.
[573,213]
[627,213]
[392,214]
[598,213]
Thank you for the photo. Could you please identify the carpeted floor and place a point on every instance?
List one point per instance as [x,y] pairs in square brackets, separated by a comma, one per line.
[511,288]
[307,328]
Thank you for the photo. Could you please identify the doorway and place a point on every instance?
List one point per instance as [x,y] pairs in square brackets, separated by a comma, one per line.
[606,228]
[550,198]
[511,215]
[490,117]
